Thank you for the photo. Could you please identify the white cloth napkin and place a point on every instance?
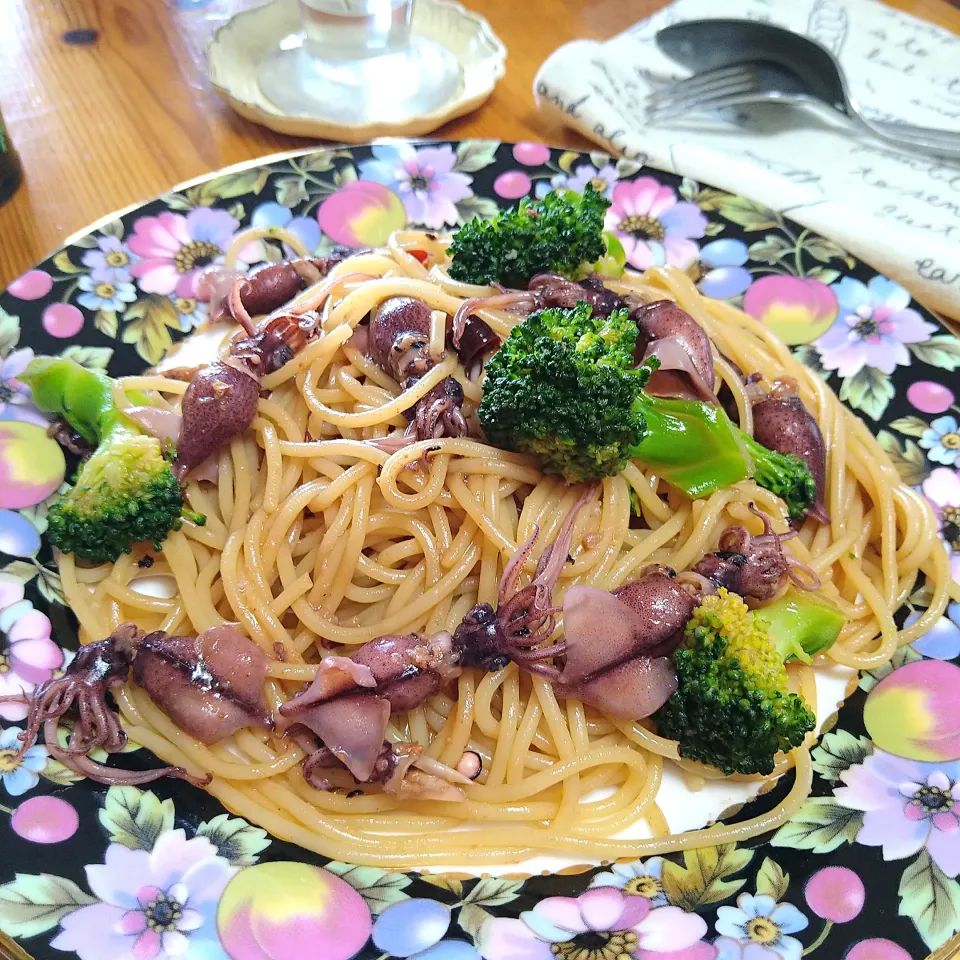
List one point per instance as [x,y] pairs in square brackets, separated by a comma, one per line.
[899,211]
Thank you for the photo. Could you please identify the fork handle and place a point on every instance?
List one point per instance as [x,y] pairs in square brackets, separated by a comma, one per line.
[911,132]
[943,143]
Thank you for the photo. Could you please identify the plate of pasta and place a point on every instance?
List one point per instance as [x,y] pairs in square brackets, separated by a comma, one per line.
[460,550]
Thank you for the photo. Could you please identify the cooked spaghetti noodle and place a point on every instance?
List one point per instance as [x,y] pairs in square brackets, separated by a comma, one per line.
[317,542]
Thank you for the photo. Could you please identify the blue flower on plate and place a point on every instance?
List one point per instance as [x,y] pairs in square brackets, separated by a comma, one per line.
[603,180]
[755,922]
[642,878]
[942,640]
[15,400]
[19,774]
[105,294]
[192,312]
[110,262]
[305,229]
[942,439]
[543,187]
[725,275]
[873,327]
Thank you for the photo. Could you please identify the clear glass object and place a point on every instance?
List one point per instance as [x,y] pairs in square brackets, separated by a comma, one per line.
[358,61]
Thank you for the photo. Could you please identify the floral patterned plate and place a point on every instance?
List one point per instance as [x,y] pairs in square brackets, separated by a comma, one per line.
[867,870]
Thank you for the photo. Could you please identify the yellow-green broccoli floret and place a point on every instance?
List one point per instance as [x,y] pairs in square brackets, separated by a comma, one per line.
[746,638]
[732,708]
[125,493]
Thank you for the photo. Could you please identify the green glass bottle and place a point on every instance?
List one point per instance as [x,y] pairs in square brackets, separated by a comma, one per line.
[10,170]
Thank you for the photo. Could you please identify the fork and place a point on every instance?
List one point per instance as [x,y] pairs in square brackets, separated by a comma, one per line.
[765,81]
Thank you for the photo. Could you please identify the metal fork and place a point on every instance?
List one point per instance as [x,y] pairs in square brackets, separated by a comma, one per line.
[722,87]
[765,81]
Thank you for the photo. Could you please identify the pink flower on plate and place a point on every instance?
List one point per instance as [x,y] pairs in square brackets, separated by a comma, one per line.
[942,489]
[424,179]
[652,226]
[155,905]
[175,249]
[875,322]
[598,924]
[30,657]
[907,805]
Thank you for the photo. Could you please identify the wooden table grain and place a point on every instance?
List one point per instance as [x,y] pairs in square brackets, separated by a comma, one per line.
[106,124]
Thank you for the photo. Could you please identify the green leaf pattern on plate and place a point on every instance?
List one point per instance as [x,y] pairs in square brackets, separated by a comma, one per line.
[705,875]
[31,904]
[235,839]
[771,879]
[380,888]
[821,825]
[839,751]
[135,818]
[931,900]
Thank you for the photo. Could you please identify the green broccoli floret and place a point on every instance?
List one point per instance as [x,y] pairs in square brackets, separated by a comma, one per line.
[564,386]
[563,233]
[732,708]
[125,493]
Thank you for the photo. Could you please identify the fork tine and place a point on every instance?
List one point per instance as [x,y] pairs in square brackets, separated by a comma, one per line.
[671,106]
[699,81]
[703,96]
[729,100]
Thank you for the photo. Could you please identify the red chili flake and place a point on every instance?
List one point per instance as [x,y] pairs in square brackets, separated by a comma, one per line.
[421,255]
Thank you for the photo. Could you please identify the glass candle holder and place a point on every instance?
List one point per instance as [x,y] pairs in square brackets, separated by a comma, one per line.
[358,61]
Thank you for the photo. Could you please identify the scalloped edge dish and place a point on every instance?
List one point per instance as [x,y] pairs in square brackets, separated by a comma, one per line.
[239,46]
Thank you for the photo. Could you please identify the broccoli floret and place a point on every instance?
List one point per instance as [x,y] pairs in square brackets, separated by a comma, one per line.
[784,474]
[560,234]
[732,708]
[564,386]
[125,492]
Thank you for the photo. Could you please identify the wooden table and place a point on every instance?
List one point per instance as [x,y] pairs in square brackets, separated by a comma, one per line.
[104,125]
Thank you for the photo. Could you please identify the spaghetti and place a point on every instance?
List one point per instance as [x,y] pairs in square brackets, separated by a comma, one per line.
[318,541]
